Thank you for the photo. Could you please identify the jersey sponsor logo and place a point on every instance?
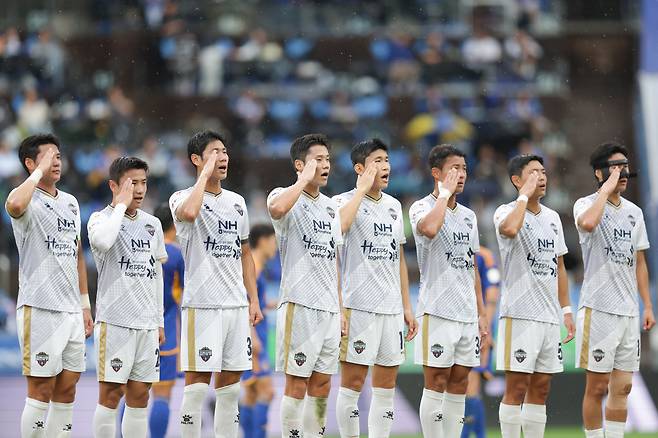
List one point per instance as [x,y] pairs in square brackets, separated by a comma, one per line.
[598,354]
[300,359]
[60,248]
[219,249]
[319,249]
[359,346]
[321,226]
[376,252]
[227,227]
[331,212]
[542,267]
[621,234]
[64,224]
[150,229]
[140,245]
[42,358]
[461,262]
[239,209]
[205,353]
[460,238]
[186,419]
[546,245]
[520,355]
[383,229]
[393,213]
[116,364]
[437,350]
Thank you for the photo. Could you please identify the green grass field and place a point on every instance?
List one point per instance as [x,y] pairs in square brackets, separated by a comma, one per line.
[553,432]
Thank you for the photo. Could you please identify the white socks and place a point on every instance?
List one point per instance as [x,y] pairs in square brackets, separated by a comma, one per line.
[315,416]
[533,420]
[431,414]
[105,422]
[595,433]
[33,418]
[347,412]
[227,420]
[60,420]
[134,423]
[190,410]
[453,414]
[510,420]
[291,422]
[380,417]
[614,429]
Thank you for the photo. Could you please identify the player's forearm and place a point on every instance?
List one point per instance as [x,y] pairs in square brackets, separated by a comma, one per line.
[189,209]
[404,282]
[491,303]
[282,203]
[512,224]
[104,232]
[249,274]
[590,218]
[562,284]
[642,274]
[430,225]
[20,197]
[82,271]
[482,311]
[349,210]
[159,293]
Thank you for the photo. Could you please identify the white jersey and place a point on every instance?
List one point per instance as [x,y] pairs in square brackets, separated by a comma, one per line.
[609,256]
[212,249]
[370,256]
[308,236]
[127,272]
[447,263]
[530,265]
[47,237]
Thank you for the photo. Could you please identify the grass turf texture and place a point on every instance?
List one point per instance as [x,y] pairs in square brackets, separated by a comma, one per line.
[552,432]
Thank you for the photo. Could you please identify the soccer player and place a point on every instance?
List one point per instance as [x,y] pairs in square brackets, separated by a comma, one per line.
[220,300]
[375,289]
[613,238]
[307,225]
[128,248]
[173,274]
[53,311]
[534,288]
[474,418]
[454,322]
[259,390]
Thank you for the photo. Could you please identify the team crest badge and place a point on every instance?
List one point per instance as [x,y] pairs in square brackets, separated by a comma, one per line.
[73,208]
[520,355]
[42,358]
[205,353]
[116,364]
[150,229]
[393,213]
[239,209]
[598,354]
[631,219]
[359,346]
[468,223]
[554,228]
[300,359]
[437,350]
[331,212]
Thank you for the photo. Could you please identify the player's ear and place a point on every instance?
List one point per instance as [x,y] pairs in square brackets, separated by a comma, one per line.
[30,164]
[436,173]
[598,174]
[197,160]
[113,185]
[299,165]
[516,180]
[359,168]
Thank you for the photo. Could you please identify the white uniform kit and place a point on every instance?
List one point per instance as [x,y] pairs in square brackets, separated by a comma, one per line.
[216,335]
[48,318]
[370,276]
[608,331]
[447,304]
[530,314]
[308,323]
[129,302]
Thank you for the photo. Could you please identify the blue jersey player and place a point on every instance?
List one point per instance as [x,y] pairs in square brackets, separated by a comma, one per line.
[474,421]
[173,288]
[258,382]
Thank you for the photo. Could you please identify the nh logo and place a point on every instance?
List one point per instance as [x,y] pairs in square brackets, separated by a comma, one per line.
[228,225]
[621,234]
[64,223]
[139,243]
[321,225]
[546,243]
[460,237]
[383,228]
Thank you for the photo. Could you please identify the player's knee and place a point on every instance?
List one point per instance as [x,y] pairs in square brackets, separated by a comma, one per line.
[517,390]
[354,382]
[42,391]
[137,398]
[597,389]
[296,386]
[64,393]
[110,396]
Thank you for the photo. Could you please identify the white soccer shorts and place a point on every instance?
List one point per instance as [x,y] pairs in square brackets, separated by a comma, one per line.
[373,339]
[442,343]
[526,346]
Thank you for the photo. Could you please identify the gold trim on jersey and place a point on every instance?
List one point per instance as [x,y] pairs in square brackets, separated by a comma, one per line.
[345,339]
[508,344]
[287,335]
[311,197]
[191,346]
[126,215]
[48,194]
[426,339]
[102,350]
[584,349]
[27,335]
[214,195]
[616,207]
[375,200]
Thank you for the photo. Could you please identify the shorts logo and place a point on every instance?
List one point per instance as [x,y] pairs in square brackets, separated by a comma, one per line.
[520,355]
[354,413]
[239,209]
[205,354]
[187,419]
[300,359]
[388,415]
[322,430]
[331,212]
[598,354]
[554,227]
[73,209]
[116,364]
[439,417]
[359,346]
[150,229]
[38,425]
[437,350]
[42,358]
[393,214]
[294,434]
[67,427]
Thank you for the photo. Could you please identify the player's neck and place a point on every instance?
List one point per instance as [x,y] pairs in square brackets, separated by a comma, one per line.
[533,205]
[49,188]
[312,190]
[375,193]
[452,202]
[213,186]
[129,210]
[614,198]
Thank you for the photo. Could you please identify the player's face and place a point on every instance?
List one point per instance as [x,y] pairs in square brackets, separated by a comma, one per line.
[139,186]
[55,172]
[380,159]
[269,246]
[221,170]
[459,164]
[320,154]
[536,167]
[623,182]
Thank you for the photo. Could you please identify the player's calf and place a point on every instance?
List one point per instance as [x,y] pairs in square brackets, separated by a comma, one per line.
[596,389]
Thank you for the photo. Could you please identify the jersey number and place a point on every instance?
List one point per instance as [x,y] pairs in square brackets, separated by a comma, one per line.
[401,341]
[157,358]
[559,350]
[249,346]
[477,345]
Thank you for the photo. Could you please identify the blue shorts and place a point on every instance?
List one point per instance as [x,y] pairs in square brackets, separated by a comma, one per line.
[170,349]
[261,364]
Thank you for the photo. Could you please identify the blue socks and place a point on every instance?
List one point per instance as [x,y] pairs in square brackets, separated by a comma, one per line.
[247,420]
[159,418]
[474,421]
[260,420]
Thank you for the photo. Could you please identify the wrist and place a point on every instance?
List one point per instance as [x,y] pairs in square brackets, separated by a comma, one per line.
[444,193]
[85,304]
[566,310]
[522,198]
[36,176]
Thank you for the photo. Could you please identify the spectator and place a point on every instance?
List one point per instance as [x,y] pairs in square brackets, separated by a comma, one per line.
[481,49]
[34,113]
[524,53]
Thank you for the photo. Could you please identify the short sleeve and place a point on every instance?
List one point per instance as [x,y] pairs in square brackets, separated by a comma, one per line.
[23,221]
[161,250]
[561,245]
[417,212]
[500,215]
[93,222]
[175,201]
[475,235]
[402,238]
[339,200]
[579,208]
[78,228]
[279,224]
[336,232]
[641,239]
[244,231]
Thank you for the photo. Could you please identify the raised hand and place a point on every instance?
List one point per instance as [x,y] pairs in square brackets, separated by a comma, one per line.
[308,172]
[209,167]
[610,184]
[125,195]
[365,181]
[47,160]
[530,185]
[451,181]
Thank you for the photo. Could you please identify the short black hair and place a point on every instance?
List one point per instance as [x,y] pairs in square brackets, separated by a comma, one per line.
[29,147]
[259,231]
[439,154]
[163,213]
[362,149]
[516,164]
[122,165]
[197,144]
[301,145]
[603,153]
